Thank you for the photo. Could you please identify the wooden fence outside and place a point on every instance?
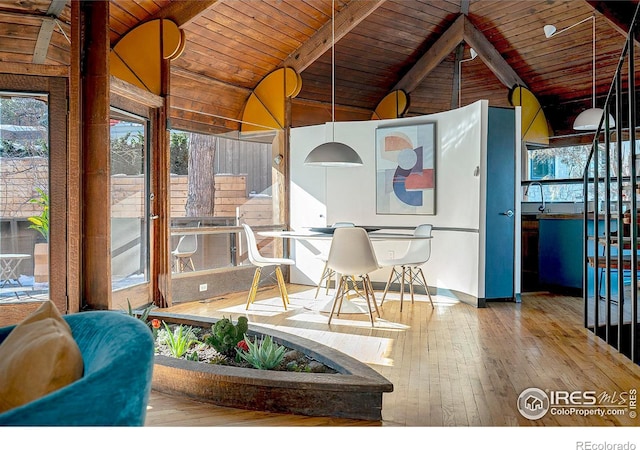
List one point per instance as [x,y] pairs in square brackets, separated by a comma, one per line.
[243,157]
[20,177]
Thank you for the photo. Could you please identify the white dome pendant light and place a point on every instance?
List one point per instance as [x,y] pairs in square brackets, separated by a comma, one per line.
[333,154]
[589,119]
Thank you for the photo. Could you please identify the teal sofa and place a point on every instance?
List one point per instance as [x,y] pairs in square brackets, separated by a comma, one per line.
[117,352]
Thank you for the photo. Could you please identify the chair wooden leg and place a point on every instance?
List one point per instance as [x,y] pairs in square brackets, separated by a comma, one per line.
[322,277]
[355,285]
[337,297]
[351,280]
[327,284]
[326,277]
[282,286]
[254,287]
[344,292]
[411,281]
[426,286]
[366,283]
[193,268]
[404,271]
[373,297]
[386,288]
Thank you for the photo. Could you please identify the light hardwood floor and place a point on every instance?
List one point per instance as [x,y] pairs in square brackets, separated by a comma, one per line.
[454,365]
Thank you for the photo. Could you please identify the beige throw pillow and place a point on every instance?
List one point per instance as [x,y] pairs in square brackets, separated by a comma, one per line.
[39,356]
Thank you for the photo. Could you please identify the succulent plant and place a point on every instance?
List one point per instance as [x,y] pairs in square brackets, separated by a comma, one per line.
[180,340]
[263,353]
[225,335]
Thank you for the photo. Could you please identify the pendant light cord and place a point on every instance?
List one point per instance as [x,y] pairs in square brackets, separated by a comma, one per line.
[333,71]
[593,70]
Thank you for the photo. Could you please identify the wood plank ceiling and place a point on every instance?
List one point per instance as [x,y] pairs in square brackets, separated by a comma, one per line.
[379,45]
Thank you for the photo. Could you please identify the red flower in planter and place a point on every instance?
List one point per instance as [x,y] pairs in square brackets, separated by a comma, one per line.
[242,345]
[155,323]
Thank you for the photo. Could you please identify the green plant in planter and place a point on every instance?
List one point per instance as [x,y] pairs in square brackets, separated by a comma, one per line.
[41,223]
[144,316]
[263,353]
[180,340]
[153,324]
[225,335]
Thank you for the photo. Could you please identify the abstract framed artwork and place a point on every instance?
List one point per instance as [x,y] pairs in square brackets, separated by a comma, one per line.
[406,169]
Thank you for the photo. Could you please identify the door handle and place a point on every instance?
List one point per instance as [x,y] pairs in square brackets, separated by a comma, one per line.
[508,213]
[152,216]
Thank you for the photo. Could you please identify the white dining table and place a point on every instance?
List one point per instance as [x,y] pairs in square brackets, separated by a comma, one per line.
[348,307]
[310,235]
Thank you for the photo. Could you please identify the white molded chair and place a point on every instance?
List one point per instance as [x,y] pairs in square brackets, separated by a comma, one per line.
[187,246]
[352,255]
[261,261]
[328,274]
[417,254]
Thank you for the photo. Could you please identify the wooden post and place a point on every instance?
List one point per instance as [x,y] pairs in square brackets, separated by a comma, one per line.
[96,177]
[73,166]
[161,203]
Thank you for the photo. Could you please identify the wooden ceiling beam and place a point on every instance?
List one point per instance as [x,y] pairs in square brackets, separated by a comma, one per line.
[184,12]
[345,21]
[45,70]
[490,56]
[132,92]
[46,31]
[204,80]
[442,48]
[455,92]
[461,30]
[214,85]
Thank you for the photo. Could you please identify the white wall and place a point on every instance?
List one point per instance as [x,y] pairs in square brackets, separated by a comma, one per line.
[321,196]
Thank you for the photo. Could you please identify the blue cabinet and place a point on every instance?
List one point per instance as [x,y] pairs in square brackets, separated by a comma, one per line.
[560,265]
[560,247]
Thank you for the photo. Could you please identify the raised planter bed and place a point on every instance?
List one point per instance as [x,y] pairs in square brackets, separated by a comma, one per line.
[354,392]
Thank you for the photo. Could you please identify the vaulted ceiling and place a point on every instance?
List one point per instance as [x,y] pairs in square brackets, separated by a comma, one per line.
[420,46]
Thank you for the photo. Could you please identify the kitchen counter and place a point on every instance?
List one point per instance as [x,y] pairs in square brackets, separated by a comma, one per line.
[561,216]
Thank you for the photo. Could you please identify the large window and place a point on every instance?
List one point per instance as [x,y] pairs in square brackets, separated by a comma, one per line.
[129,200]
[217,183]
[560,169]
[24,196]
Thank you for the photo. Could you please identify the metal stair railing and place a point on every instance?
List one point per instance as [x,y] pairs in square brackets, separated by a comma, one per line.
[613,318]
